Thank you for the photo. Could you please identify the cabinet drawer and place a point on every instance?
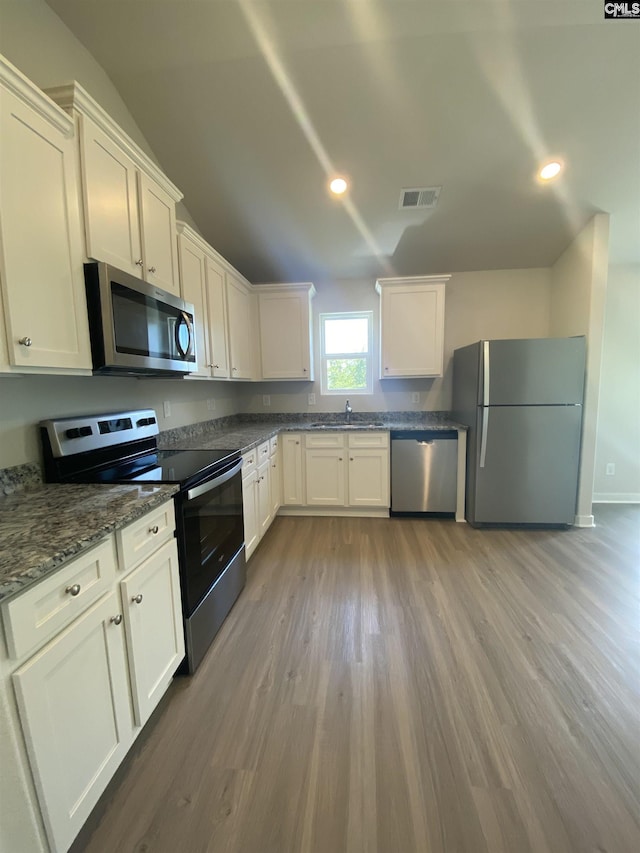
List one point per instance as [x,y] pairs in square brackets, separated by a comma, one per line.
[35,616]
[249,461]
[263,452]
[369,439]
[144,536]
[324,439]
[273,445]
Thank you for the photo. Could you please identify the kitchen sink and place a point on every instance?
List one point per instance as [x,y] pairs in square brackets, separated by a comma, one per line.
[359,425]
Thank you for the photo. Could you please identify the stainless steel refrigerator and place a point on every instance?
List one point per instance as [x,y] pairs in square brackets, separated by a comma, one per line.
[522,403]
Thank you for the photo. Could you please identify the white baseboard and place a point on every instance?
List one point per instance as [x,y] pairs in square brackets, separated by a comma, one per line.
[584,521]
[616,498]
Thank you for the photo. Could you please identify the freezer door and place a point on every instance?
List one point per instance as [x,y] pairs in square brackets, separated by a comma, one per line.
[540,371]
[526,465]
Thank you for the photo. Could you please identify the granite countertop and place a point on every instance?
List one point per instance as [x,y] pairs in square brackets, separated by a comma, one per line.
[44,525]
[246,436]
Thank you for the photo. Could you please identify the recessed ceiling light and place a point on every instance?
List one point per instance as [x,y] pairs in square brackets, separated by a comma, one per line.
[550,170]
[338,186]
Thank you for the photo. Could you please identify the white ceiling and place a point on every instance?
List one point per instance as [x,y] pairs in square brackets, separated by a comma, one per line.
[249,105]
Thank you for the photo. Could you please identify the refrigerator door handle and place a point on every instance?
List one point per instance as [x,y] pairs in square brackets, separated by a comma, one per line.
[485,373]
[483,438]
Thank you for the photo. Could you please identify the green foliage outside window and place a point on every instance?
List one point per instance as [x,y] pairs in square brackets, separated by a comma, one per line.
[346,374]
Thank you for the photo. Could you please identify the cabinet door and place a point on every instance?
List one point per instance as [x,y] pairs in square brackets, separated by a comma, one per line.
[275,482]
[217,302]
[325,472]
[285,344]
[369,478]
[292,494]
[250,512]
[265,516]
[73,699]
[110,193]
[240,329]
[41,242]
[153,620]
[193,286]
[158,232]
[412,329]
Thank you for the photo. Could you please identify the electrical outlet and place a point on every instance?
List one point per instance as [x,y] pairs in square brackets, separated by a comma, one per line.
[610,469]
[415,396]
[266,400]
[211,404]
[166,408]
[312,399]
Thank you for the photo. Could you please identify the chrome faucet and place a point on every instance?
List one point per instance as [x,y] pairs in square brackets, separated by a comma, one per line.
[347,412]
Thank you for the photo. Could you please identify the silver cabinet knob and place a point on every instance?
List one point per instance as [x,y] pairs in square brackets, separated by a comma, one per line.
[73,590]
[139,262]
[26,342]
[152,269]
[339,458]
[137,599]
[386,368]
[304,369]
[351,459]
[154,529]
[116,619]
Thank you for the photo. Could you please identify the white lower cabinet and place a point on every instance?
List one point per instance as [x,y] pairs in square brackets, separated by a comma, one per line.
[73,698]
[260,492]
[153,622]
[265,516]
[325,476]
[338,470]
[275,482]
[107,640]
[292,469]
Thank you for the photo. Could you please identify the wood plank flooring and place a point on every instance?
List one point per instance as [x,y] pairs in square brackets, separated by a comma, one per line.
[405,686]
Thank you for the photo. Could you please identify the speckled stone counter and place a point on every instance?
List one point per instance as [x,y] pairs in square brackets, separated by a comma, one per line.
[43,526]
[245,435]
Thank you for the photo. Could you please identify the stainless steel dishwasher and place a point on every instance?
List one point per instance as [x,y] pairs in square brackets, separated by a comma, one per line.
[424,469]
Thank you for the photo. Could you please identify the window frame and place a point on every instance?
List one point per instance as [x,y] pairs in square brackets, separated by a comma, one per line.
[368,356]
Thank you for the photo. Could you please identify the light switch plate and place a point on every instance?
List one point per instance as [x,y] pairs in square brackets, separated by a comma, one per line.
[312,399]
[166,408]
[266,400]
[415,396]
[211,404]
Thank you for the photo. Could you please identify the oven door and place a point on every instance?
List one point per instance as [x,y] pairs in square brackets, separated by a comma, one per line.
[210,532]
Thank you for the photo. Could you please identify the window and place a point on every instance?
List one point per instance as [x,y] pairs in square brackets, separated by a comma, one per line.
[345,352]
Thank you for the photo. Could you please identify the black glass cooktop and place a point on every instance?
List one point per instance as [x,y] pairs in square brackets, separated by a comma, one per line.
[184,467]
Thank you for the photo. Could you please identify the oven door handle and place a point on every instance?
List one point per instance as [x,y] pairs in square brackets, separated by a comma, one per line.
[196,491]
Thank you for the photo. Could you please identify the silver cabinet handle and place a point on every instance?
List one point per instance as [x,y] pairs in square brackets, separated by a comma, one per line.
[152,269]
[154,529]
[137,599]
[139,262]
[216,366]
[73,590]
[116,619]
[26,341]
[234,369]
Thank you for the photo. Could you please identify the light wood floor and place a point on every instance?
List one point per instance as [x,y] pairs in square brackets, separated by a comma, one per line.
[405,686]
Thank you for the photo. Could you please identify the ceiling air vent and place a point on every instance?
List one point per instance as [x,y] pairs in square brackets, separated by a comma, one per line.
[419,198]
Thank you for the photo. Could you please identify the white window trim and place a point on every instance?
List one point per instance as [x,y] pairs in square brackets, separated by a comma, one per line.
[368,356]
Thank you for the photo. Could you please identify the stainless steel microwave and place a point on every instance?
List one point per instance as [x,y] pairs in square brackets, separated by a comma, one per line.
[137,328]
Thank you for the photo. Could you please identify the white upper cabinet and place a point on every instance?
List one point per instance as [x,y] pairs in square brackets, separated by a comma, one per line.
[218,337]
[112,231]
[129,204]
[158,229]
[41,273]
[285,330]
[240,316]
[411,326]
[193,288]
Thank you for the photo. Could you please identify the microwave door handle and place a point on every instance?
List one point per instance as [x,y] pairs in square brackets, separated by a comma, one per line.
[184,318]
